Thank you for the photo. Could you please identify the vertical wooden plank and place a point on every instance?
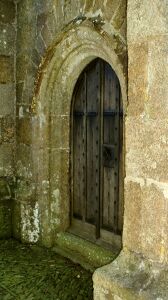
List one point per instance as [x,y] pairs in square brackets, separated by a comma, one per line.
[79,155]
[111,138]
[93,103]
[121,164]
[117,155]
[108,138]
[101,130]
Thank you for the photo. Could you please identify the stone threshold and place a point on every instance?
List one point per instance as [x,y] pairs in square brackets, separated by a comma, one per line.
[90,256]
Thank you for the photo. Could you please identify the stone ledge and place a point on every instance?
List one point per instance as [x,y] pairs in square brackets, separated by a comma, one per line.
[131,277]
[87,254]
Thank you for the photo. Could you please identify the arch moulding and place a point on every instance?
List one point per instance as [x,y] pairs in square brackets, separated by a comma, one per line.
[59,71]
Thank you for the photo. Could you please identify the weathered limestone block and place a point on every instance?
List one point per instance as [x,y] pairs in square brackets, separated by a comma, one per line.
[26,221]
[146,19]
[59,172]
[24,131]
[46,35]
[7,39]
[7,12]
[60,137]
[7,67]
[19,93]
[147,150]
[7,130]
[130,277]
[145,228]
[25,190]
[107,8]
[119,18]
[157,104]
[7,160]
[6,99]
[40,45]
[148,72]
[36,58]
[23,59]
[138,76]
[24,163]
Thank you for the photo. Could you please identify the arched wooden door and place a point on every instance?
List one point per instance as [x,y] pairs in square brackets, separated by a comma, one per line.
[96,146]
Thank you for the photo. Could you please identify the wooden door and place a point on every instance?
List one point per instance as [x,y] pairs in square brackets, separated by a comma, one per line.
[96,144]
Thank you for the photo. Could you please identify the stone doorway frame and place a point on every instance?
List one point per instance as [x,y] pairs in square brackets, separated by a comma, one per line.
[77,46]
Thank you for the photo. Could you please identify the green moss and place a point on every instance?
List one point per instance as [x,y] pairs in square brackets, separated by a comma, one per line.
[31,272]
[84,252]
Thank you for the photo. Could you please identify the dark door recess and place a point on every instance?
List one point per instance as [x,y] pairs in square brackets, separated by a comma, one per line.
[96,154]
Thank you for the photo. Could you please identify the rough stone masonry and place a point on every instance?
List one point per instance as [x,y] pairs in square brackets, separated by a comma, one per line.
[44,46]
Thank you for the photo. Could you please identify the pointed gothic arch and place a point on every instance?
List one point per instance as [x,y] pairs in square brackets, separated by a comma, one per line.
[73,50]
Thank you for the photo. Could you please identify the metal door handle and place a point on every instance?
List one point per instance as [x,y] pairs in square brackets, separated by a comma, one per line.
[108,156]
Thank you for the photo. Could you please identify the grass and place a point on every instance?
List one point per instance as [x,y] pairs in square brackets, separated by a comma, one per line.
[34,273]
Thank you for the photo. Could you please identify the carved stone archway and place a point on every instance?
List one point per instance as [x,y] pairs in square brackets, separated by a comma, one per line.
[65,60]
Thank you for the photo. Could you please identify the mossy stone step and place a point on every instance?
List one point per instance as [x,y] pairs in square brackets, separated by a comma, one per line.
[89,255]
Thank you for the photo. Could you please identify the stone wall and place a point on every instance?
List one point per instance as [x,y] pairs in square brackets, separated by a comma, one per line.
[55,40]
[140,271]
[146,185]
[7,113]
[40,26]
